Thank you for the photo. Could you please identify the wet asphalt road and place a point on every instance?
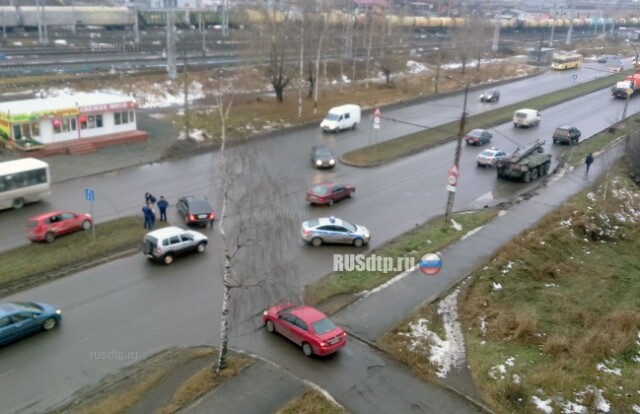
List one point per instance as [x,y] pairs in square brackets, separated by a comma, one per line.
[135,308]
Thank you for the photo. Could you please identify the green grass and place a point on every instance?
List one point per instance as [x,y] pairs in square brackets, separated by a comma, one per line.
[73,249]
[569,302]
[430,237]
[410,144]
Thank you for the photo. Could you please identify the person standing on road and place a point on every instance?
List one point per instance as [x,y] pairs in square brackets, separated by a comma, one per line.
[162,206]
[589,161]
[148,213]
[149,198]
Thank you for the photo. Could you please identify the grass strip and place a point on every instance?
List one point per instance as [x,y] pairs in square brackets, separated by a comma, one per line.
[311,402]
[410,144]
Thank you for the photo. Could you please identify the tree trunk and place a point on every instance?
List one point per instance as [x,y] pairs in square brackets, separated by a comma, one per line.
[301,81]
[279,92]
[317,67]
[366,70]
[224,326]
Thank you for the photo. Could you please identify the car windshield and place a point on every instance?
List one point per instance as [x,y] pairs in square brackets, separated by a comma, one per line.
[475,133]
[26,306]
[320,189]
[323,152]
[521,114]
[332,117]
[200,206]
[313,223]
[323,326]
[488,153]
[562,131]
[349,226]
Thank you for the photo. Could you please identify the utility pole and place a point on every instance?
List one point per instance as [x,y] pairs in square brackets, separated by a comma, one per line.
[438,66]
[136,24]
[540,48]
[553,23]
[185,72]
[570,31]
[456,160]
[73,16]
[496,30]
[225,19]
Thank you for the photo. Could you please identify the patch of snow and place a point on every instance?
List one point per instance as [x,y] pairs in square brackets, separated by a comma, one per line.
[550,285]
[604,368]
[497,286]
[636,408]
[601,403]
[416,67]
[515,378]
[388,283]
[502,213]
[471,233]
[573,408]
[498,371]
[592,197]
[542,242]
[507,268]
[483,325]
[542,405]
[457,226]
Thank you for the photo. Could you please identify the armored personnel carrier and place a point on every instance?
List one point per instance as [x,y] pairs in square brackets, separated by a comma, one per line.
[525,165]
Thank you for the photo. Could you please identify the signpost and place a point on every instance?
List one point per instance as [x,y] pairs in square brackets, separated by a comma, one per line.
[453,178]
[376,119]
[90,196]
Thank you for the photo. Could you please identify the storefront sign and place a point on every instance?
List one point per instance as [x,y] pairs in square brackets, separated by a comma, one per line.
[107,107]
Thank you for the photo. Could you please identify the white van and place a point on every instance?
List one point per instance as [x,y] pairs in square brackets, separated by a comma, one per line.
[341,117]
[526,118]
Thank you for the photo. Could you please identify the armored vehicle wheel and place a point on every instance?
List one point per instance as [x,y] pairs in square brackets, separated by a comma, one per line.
[534,173]
[527,177]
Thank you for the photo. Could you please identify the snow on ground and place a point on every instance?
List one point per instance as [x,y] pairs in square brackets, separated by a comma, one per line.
[502,213]
[636,408]
[416,67]
[160,96]
[388,283]
[605,367]
[195,134]
[497,286]
[498,372]
[542,405]
[507,268]
[471,233]
[457,226]
[444,353]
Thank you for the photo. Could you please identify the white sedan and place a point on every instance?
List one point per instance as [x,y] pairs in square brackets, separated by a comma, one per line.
[490,157]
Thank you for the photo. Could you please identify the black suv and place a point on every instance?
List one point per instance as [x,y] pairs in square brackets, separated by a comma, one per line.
[196,210]
[322,157]
[566,134]
[491,95]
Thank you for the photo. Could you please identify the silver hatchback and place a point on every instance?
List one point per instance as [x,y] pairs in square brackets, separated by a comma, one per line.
[163,245]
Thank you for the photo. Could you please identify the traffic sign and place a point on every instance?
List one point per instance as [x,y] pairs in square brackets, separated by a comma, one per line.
[453,170]
[451,188]
[376,118]
[453,180]
[89,194]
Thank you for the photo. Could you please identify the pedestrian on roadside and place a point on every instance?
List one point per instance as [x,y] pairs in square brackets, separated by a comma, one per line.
[148,213]
[149,198]
[589,161]
[153,215]
[162,206]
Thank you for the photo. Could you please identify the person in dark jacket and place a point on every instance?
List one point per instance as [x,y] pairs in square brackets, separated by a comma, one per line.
[589,161]
[162,206]
[149,198]
[148,214]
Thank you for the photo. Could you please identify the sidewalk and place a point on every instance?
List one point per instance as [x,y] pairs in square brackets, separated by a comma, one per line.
[372,316]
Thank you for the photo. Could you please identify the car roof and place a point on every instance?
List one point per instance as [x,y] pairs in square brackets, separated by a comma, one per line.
[10,308]
[166,232]
[564,127]
[492,150]
[48,214]
[328,184]
[195,198]
[307,313]
[477,131]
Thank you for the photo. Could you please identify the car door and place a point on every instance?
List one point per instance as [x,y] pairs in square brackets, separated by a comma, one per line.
[342,235]
[177,246]
[299,331]
[285,324]
[68,223]
[338,192]
[7,330]
[188,242]
[25,323]
[56,225]
[326,233]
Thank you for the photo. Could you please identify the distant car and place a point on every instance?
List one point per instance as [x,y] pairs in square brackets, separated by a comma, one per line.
[165,244]
[329,193]
[20,319]
[48,226]
[322,157]
[567,135]
[334,230]
[196,210]
[603,59]
[489,157]
[478,137]
[305,326]
[491,95]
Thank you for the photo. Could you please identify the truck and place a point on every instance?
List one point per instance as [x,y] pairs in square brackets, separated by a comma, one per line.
[527,164]
[630,86]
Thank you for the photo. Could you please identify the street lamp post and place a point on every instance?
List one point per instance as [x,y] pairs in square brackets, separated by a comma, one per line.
[456,161]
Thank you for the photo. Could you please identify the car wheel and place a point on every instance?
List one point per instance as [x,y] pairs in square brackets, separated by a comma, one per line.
[316,241]
[86,225]
[358,242]
[527,177]
[534,173]
[49,237]
[18,203]
[541,171]
[306,349]
[270,326]
[331,202]
[355,125]
[167,259]
[515,125]
[351,193]
[547,167]
[202,247]
[49,324]
[555,141]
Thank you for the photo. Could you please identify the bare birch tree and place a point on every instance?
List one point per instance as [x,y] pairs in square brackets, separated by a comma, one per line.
[277,25]
[325,23]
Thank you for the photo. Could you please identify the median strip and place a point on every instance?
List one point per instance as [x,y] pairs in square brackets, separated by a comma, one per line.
[393,149]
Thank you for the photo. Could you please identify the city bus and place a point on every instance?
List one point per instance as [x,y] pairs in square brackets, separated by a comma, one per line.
[563,61]
[23,181]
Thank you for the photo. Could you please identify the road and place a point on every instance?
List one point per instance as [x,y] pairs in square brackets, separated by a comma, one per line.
[136,308]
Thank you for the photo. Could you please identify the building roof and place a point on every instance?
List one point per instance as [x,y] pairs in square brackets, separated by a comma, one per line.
[81,99]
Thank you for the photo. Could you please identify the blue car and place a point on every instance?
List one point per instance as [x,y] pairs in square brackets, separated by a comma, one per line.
[19,319]
[333,230]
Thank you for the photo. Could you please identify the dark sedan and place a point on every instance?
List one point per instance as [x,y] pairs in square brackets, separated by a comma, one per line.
[328,193]
[478,137]
[20,319]
[322,157]
[196,210]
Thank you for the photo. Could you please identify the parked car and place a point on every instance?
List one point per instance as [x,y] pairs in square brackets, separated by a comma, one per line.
[526,117]
[566,134]
[489,157]
[165,244]
[491,95]
[603,59]
[329,193]
[48,226]
[20,319]
[478,137]
[334,230]
[196,210]
[322,157]
[305,326]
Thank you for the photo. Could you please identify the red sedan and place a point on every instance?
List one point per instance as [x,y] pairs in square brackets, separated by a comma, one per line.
[48,226]
[307,327]
[329,193]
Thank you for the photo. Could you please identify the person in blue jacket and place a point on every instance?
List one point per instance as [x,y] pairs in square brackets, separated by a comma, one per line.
[149,198]
[162,206]
[148,216]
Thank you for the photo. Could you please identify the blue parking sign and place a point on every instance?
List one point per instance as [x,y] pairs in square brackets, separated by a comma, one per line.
[89,194]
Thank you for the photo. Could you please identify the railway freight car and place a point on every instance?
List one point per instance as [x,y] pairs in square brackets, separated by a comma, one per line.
[107,17]
[9,18]
[157,18]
